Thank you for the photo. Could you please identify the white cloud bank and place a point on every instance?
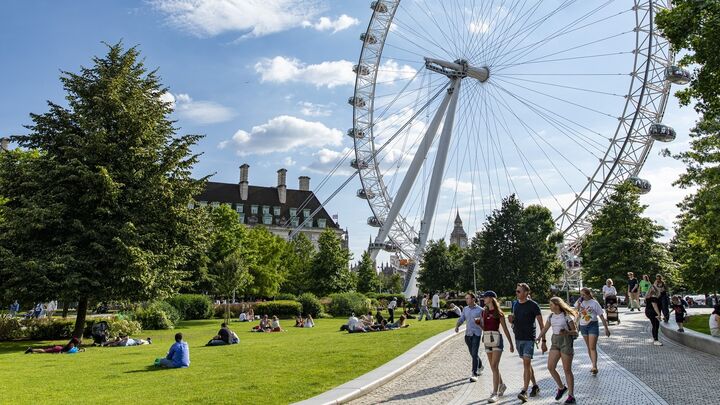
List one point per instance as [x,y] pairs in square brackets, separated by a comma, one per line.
[198,111]
[327,24]
[283,134]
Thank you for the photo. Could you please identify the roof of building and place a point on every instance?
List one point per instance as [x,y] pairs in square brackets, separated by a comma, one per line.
[266,196]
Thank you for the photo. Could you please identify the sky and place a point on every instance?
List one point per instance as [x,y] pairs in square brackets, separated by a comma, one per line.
[267,83]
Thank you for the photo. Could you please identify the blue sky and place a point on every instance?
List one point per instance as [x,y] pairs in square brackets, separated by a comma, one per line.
[266,81]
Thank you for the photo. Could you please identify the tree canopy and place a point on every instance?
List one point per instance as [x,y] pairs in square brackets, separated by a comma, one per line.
[330,272]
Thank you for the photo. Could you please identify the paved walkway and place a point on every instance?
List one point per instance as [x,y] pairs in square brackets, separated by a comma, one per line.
[632,371]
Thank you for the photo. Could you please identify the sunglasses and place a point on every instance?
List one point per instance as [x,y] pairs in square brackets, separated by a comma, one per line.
[518,291]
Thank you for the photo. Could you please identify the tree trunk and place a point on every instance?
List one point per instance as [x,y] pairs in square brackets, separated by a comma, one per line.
[227,311]
[66,307]
[80,317]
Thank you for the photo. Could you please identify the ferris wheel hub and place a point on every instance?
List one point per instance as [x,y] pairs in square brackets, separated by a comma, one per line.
[458,69]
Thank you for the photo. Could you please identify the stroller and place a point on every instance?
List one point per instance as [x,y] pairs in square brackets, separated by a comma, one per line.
[100,333]
[611,309]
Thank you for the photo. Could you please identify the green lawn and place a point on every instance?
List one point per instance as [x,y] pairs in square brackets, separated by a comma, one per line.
[699,323]
[265,368]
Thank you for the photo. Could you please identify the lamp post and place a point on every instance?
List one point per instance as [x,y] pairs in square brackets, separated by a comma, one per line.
[474,280]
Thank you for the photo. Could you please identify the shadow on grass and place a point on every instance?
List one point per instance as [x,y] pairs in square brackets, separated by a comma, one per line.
[147,369]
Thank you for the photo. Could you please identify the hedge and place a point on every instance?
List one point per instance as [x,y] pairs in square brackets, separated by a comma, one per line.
[310,304]
[235,309]
[157,315]
[192,306]
[385,299]
[281,309]
[343,304]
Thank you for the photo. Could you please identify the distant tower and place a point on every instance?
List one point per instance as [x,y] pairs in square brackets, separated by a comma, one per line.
[458,235]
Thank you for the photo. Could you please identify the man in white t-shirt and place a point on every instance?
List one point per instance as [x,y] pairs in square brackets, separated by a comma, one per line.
[391,310]
[435,305]
[424,308]
[354,324]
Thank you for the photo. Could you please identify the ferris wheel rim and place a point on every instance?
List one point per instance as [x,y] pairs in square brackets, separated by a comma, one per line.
[403,234]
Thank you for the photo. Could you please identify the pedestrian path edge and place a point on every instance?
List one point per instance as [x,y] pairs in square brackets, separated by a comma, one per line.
[690,338]
[379,376]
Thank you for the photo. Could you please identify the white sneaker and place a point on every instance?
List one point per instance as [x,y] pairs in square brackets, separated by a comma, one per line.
[480,370]
[501,389]
[657,343]
[473,378]
[493,398]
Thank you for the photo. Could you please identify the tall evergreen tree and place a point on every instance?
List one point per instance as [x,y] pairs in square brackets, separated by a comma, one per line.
[622,240]
[330,272]
[367,275]
[102,212]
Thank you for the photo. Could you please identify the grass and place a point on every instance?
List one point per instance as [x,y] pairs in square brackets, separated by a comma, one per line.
[267,368]
[699,323]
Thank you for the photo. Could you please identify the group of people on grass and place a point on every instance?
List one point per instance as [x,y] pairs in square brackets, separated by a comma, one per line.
[268,325]
[370,323]
[488,324]
[306,322]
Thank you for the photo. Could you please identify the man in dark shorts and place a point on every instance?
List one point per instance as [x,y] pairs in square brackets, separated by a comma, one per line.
[524,315]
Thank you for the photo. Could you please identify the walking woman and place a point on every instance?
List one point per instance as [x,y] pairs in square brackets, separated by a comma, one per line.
[652,312]
[663,297]
[564,333]
[493,319]
[589,310]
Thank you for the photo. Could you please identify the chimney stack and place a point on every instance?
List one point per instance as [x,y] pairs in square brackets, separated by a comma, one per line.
[304,183]
[282,185]
[5,144]
[244,169]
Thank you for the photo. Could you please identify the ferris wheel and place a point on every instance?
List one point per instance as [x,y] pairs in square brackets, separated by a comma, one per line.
[460,103]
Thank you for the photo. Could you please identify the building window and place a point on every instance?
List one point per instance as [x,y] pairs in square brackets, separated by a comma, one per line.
[253,209]
[293,212]
[267,219]
[241,218]
[215,204]
[321,223]
[239,208]
[308,222]
[276,211]
[294,222]
[266,210]
[306,212]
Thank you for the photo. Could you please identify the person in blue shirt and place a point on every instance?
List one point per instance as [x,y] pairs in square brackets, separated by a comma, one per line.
[178,356]
[472,314]
[14,309]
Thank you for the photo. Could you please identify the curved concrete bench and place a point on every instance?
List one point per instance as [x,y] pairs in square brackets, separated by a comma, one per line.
[375,378]
[690,338]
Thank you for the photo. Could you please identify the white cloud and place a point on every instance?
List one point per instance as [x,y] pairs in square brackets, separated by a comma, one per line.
[326,24]
[201,112]
[325,74]
[288,161]
[462,187]
[662,200]
[314,110]
[326,159]
[480,27]
[391,71]
[253,18]
[283,134]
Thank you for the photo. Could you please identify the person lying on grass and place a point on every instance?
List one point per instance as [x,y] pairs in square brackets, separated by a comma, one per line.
[178,356]
[224,337]
[264,325]
[125,340]
[401,323]
[73,346]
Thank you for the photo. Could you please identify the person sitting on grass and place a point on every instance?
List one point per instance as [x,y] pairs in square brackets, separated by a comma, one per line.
[178,356]
[382,326]
[378,317]
[124,340]
[223,337]
[407,314]
[250,315]
[299,322]
[367,320]
[454,312]
[275,325]
[714,322]
[264,325]
[243,317]
[309,323]
[73,346]
[354,325]
[401,323]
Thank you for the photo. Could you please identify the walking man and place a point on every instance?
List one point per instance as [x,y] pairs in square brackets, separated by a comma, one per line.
[524,315]
[435,305]
[424,308]
[391,310]
[633,292]
[472,314]
[14,309]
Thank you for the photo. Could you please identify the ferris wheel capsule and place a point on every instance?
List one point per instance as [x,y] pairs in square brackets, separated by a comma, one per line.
[677,75]
[355,164]
[662,133]
[391,247]
[355,133]
[365,194]
[376,245]
[643,185]
[379,6]
[372,221]
[362,70]
[358,102]
[368,38]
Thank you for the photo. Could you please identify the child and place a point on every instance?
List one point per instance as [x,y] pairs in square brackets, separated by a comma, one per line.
[680,312]
[562,322]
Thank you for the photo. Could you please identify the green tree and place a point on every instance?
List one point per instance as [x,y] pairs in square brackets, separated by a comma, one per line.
[264,260]
[228,276]
[622,240]
[391,283]
[367,275]
[298,260]
[437,269]
[103,212]
[330,272]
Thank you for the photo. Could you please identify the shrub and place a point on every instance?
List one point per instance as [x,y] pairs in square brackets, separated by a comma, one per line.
[192,306]
[310,304]
[48,329]
[10,328]
[385,299]
[118,325]
[343,304]
[235,309]
[283,309]
[157,315]
[286,297]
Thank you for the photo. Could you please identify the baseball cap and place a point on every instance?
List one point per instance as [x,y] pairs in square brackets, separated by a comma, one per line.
[490,294]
